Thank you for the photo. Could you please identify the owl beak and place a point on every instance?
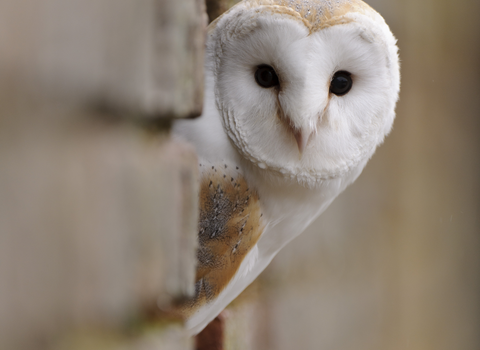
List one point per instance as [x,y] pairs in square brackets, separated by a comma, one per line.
[302,134]
[302,137]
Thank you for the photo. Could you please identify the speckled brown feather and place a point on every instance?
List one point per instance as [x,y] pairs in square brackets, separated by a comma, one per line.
[230,225]
[315,15]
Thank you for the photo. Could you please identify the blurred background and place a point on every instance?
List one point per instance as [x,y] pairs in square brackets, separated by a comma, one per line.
[394,263]
[98,204]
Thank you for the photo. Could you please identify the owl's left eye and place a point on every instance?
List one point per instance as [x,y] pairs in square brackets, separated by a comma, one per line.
[265,76]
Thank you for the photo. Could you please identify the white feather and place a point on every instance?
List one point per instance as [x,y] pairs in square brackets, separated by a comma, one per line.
[241,123]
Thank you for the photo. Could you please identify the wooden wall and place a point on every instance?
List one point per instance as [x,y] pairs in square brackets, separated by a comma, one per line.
[98,205]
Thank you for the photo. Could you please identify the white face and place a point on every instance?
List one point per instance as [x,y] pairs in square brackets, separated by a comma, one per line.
[309,104]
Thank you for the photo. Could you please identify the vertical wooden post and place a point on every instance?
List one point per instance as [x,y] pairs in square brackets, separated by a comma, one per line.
[213,336]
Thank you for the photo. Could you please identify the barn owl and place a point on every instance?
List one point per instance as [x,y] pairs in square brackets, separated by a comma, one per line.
[298,95]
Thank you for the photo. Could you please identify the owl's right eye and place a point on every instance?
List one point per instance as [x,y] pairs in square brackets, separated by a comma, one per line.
[265,76]
[341,83]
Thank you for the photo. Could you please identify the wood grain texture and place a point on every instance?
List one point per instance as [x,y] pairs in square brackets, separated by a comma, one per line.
[142,58]
[97,220]
[98,213]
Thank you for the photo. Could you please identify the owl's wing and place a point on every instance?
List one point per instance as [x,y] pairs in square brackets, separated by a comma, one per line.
[231,222]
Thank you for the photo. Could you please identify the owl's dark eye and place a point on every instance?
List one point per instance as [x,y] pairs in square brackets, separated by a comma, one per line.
[341,83]
[266,77]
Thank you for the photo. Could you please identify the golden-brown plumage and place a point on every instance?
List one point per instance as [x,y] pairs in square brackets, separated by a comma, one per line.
[316,16]
[230,225]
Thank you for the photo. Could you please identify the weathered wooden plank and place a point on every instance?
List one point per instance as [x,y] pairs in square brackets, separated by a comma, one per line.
[144,57]
[156,337]
[98,213]
[98,220]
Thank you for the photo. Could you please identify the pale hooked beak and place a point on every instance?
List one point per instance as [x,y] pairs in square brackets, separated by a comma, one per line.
[302,133]
[302,137]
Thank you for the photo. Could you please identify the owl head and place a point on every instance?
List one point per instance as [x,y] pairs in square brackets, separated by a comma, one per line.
[306,89]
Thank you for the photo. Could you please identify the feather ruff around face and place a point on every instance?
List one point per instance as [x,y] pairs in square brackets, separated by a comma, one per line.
[306,42]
